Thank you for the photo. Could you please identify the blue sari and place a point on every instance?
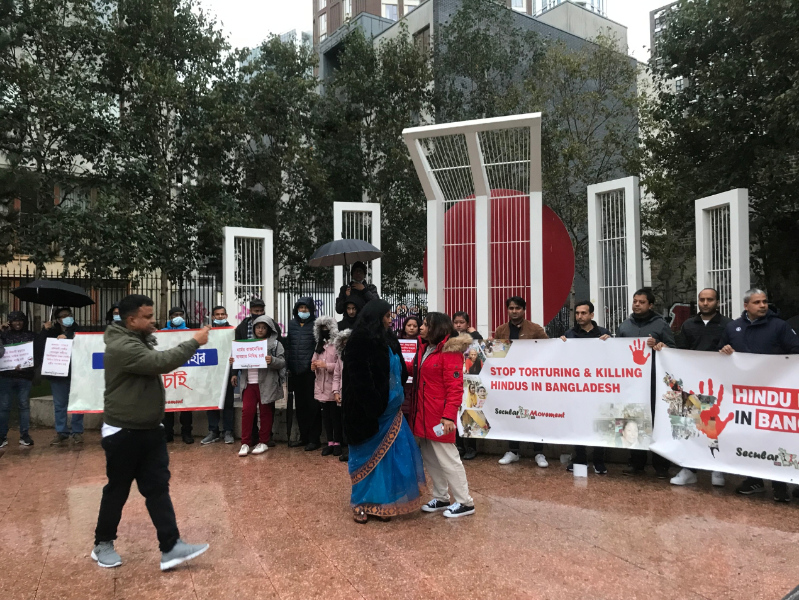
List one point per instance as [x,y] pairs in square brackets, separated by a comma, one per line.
[386,470]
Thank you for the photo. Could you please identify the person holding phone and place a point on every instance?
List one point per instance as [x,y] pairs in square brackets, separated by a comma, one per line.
[359,287]
[438,393]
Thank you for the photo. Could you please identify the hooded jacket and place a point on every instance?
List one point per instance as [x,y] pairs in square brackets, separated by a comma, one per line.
[323,387]
[172,311]
[438,386]
[10,336]
[134,390]
[270,380]
[348,322]
[341,341]
[653,325]
[769,335]
[301,342]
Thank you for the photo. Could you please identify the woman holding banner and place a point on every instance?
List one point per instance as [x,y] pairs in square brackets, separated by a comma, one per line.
[384,462]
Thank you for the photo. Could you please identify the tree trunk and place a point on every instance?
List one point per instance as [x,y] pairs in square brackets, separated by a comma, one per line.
[163,311]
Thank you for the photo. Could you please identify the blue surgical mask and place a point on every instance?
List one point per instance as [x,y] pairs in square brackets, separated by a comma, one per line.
[67,321]
[220,321]
[117,318]
[303,315]
[178,321]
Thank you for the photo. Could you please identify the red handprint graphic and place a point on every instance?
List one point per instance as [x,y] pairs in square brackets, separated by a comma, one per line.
[637,348]
[711,425]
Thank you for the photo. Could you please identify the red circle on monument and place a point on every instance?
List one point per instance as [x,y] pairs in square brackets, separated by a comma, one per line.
[510,256]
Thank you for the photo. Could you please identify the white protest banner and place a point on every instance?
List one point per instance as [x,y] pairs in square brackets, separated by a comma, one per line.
[408,348]
[199,384]
[249,354]
[17,355]
[586,392]
[57,354]
[735,414]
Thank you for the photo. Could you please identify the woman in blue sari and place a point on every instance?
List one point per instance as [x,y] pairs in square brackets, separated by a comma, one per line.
[385,464]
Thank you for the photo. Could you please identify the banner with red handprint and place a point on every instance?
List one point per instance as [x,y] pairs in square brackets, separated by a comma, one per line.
[735,414]
[586,392]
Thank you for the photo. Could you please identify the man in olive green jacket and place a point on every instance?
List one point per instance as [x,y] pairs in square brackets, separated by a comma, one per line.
[133,439]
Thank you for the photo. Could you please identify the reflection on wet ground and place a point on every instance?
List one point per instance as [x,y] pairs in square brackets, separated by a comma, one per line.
[279,527]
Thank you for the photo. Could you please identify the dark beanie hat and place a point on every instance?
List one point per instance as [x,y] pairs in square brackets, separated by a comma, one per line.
[359,265]
[175,309]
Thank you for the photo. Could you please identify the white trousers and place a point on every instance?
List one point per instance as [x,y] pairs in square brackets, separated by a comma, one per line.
[443,464]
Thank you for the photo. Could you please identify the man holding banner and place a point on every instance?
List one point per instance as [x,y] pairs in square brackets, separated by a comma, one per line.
[644,322]
[758,330]
[16,376]
[133,437]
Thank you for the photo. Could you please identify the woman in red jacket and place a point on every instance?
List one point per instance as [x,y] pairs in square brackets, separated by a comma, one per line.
[438,391]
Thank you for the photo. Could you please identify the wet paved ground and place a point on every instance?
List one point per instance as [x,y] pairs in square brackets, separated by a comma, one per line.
[280,528]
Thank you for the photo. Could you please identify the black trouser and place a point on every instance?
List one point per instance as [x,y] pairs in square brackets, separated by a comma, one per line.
[581,455]
[227,414]
[464,443]
[331,416]
[185,423]
[309,416]
[537,447]
[138,454]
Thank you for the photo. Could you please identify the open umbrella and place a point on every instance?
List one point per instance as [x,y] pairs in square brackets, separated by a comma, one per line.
[344,252]
[52,293]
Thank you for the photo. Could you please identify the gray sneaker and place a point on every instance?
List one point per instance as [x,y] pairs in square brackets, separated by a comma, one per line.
[229,437]
[210,438]
[106,556]
[180,554]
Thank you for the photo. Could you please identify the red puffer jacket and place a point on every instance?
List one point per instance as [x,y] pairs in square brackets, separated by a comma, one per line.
[438,387]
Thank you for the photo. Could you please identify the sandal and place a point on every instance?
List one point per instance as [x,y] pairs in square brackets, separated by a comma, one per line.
[360,516]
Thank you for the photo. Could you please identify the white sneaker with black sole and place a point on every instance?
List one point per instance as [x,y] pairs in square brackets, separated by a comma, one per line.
[180,554]
[435,506]
[458,510]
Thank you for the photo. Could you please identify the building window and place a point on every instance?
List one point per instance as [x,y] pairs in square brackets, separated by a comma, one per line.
[519,5]
[347,8]
[322,4]
[421,39]
[390,11]
[679,84]
[322,27]
[411,5]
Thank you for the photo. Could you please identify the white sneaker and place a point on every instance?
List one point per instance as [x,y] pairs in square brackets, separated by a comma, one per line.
[541,461]
[510,457]
[684,477]
[717,478]
[245,450]
[260,449]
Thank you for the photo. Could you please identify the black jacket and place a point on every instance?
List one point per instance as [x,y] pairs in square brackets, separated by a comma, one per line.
[769,335]
[695,335]
[301,344]
[365,386]
[654,325]
[56,330]
[10,336]
[579,333]
[367,294]
[349,322]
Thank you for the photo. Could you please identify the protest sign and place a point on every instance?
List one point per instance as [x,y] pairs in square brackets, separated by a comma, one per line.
[735,414]
[586,392]
[408,348]
[249,354]
[199,384]
[57,355]
[17,355]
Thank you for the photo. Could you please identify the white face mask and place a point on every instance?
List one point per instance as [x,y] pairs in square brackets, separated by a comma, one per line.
[117,318]
[178,321]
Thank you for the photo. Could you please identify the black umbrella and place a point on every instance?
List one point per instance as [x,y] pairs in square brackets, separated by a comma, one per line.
[344,252]
[52,293]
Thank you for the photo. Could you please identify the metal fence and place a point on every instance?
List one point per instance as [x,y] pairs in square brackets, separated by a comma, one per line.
[613,242]
[197,296]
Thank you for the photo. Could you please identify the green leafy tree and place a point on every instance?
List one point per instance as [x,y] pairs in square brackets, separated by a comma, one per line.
[590,106]
[52,122]
[169,160]
[377,91]
[735,124]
